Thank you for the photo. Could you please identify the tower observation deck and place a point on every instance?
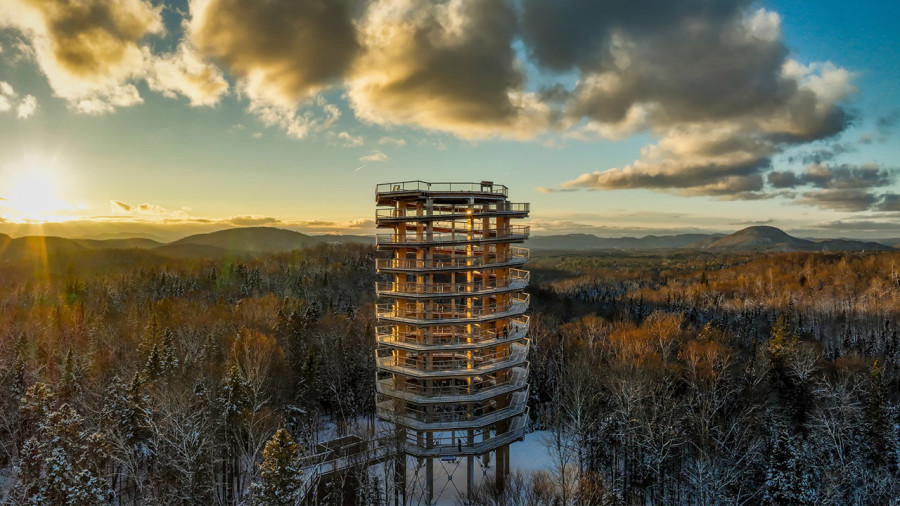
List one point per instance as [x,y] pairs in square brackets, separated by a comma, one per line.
[451,333]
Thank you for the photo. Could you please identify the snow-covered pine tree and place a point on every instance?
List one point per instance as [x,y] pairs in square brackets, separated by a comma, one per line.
[68,386]
[234,402]
[63,463]
[153,368]
[279,471]
[789,478]
[168,360]
[877,426]
[34,406]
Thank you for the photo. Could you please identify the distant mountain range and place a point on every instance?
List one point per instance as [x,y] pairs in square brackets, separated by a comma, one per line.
[250,241]
[592,242]
[751,239]
[255,241]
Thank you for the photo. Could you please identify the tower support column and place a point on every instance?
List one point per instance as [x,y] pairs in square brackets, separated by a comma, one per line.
[429,481]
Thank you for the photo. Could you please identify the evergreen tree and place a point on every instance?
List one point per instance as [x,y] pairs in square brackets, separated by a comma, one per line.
[234,401]
[69,386]
[795,396]
[151,336]
[168,360]
[37,402]
[878,430]
[279,471]
[63,463]
[154,368]
[20,370]
[128,412]
[789,478]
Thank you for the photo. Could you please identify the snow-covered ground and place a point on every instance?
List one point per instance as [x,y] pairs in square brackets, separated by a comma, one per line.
[526,456]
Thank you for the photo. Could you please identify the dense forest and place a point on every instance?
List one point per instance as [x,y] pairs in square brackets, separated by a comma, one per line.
[131,378]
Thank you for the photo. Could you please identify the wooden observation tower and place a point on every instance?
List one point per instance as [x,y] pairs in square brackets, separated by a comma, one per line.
[451,334]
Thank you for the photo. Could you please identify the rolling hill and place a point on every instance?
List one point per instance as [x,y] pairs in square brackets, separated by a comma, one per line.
[761,238]
[37,248]
[750,239]
[771,239]
[582,242]
[129,243]
[249,240]
[255,241]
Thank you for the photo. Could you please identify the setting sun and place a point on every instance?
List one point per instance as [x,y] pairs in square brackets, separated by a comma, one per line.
[33,196]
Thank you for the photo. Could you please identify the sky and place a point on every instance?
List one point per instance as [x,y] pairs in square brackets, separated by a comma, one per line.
[164,118]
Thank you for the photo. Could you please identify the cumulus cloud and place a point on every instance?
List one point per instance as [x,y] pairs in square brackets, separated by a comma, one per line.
[350,141]
[376,156]
[692,160]
[88,49]
[392,141]
[282,52]
[712,81]
[184,72]
[446,66]
[26,107]
[6,95]
[297,124]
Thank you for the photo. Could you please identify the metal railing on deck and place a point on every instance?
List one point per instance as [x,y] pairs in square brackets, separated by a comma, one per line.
[453,414]
[517,304]
[451,335]
[516,256]
[485,384]
[516,354]
[515,232]
[439,212]
[518,279]
[423,186]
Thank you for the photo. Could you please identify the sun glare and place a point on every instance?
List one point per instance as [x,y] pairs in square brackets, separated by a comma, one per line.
[32,195]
